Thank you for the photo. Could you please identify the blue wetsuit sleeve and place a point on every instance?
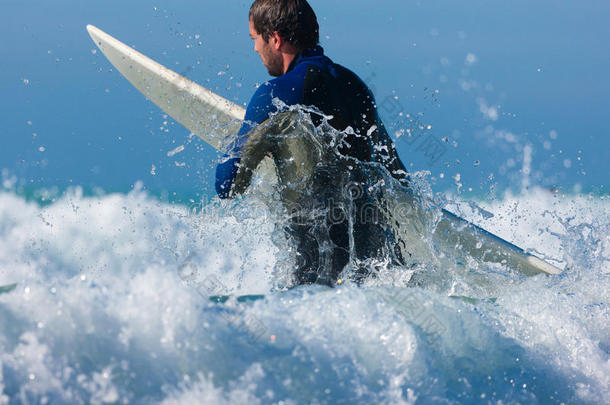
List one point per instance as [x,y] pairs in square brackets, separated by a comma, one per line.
[225,173]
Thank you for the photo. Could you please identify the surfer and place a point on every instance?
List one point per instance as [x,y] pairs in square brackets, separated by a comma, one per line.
[313,176]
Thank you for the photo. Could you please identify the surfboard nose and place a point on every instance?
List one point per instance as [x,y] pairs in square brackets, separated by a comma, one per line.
[95,33]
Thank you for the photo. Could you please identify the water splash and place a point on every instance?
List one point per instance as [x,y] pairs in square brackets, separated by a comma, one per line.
[101,313]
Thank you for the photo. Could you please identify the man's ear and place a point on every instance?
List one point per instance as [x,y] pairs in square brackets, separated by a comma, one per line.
[276,41]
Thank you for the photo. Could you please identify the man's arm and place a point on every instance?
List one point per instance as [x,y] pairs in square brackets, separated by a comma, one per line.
[258,110]
[289,90]
[261,143]
[254,151]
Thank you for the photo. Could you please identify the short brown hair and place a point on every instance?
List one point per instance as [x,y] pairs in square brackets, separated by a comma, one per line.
[294,20]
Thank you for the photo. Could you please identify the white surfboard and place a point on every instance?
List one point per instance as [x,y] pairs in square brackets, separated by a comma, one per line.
[215,119]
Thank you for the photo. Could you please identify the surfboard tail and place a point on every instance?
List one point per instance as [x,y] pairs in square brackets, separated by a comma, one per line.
[466,238]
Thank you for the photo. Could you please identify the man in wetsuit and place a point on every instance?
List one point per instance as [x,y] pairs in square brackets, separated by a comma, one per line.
[286,36]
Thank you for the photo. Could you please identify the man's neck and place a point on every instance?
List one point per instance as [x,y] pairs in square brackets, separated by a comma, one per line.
[288,59]
[289,54]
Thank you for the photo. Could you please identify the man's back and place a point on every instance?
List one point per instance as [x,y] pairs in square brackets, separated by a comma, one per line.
[314,80]
[340,93]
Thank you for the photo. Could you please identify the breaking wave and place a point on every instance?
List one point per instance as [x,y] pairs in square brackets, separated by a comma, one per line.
[106,300]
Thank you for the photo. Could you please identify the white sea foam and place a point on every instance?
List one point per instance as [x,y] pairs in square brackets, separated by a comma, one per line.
[111,306]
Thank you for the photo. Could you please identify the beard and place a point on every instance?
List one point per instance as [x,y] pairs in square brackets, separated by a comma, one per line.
[274,64]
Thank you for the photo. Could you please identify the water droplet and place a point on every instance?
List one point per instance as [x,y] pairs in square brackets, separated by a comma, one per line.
[175,151]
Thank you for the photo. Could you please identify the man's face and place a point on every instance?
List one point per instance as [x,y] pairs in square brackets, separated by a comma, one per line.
[272,58]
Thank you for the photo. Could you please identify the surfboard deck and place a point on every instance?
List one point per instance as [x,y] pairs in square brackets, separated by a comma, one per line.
[216,119]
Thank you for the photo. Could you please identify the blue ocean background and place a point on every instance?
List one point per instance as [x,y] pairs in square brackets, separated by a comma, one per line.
[491,77]
[110,246]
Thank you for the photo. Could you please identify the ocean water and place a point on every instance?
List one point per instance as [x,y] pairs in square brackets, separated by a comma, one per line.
[111,244]
[111,306]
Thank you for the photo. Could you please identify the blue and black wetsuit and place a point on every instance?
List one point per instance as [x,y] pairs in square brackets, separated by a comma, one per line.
[314,80]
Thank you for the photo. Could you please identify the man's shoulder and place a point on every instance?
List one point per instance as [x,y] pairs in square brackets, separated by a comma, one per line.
[340,76]
[338,71]
[288,87]
[289,79]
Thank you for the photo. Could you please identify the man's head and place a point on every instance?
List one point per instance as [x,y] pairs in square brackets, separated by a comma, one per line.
[280,29]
